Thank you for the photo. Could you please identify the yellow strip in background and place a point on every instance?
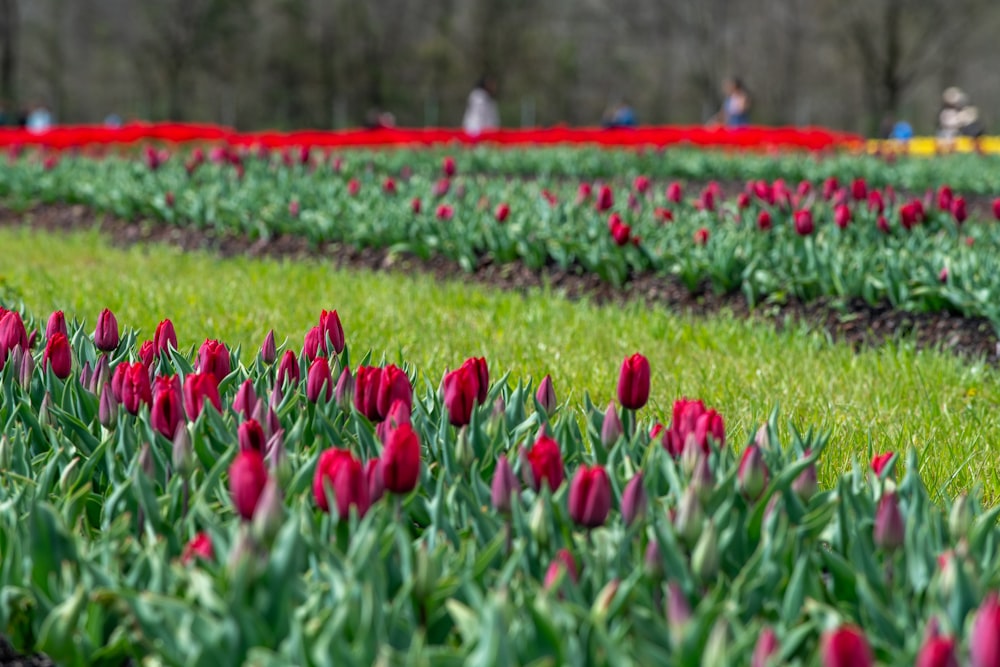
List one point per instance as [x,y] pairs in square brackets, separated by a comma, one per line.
[927,146]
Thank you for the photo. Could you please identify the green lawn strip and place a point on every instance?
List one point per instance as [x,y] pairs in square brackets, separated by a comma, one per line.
[892,396]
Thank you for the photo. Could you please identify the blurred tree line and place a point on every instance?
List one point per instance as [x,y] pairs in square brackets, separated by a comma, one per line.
[327,63]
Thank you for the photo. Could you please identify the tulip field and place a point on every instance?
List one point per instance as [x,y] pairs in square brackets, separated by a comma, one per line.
[209,461]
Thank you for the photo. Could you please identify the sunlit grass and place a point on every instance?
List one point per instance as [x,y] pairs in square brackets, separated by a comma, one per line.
[892,397]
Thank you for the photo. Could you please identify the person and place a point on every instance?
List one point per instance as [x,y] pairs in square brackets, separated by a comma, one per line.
[735,111]
[621,115]
[957,118]
[379,120]
[481,113]
[39,119]
[112,121]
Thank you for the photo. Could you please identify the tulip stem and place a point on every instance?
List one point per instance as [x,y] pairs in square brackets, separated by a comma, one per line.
[628,422]
[399,508]
[185,490]
[509,536]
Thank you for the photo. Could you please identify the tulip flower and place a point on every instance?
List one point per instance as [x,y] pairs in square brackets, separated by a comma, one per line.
[958,210]
[945,198]
[880,461]
[766,647]
[546,395]
[165,337]
[389,186]
[331,330]
[502,212]
[984,645]
[394,386]
[890,528]
[674,193]
[181,452]
[830,186]
[705,557]
[135,390]
[367,383]
[313,345]
[200,546]
[251,436]
[590,496]
[461,392]
[764,222]
[842,215]
[937,651]
[996,208]
[611,427]
[448,167]
[743,201]
[107,409]
[859,189]
[319,382]
[652,560]
[198,388]
[690,516]
[678,611]
[752,475]
[562,564]
[634,499]
[444,212]
[621,234]
[167,411]
[353,187]
[57,356]
[845,647]
[268,350]
[106,337]
[344,475]
[213,357]
[504,487]
[288,371]
[247,477]
[376,480]
[882,223]
[707,200]
[482,372]
[147,352]
[344,391]
[245,401]
[293,208]
[401,460]
[12,333]
[806,485]
[415,205]
[701,236]
[546,465]
[56,324]
[605,198]
[876,203]
[804,222]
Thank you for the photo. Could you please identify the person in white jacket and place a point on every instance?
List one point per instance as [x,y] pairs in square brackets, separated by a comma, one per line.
[481,112]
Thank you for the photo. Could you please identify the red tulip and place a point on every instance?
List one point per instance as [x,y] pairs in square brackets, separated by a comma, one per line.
[880,461]
[938,651]
[200,546]
[876,203]
[546,394]
[353,187]
[376,482]
[707,200]
[134,387]
[693,423]
[743,201]
[58,356]
[882,224]
[415,205]
[444,212]
[674,193]
[583,193]
[56,324]
[147,353]
[394,386]
[12,333]
[945,197]
[247,477]
[448,167]
[984,645]
[641,184]
[621,233]
[830,186]
[546,463]
[996,208]
[165,337]
[198,388]
[345,476]
[633,382]
[563,562]
[911,214]
[764,221]
[752,475]
[605,198]
[168,409]
[332,330]
[845,647]
[245,401]
[890,529]
[250,435]
[389,186]
[590,496]
[502,211]
[804,222]
[319,381]
[842,215]
[766,647]
[213,357]
[366,389]
[401,460]
[313,346]
[859,189]
[482,372]
[504,487]
[288,371]
[461,391]
[958,210]
[106,336]
[701,236]
[293,208]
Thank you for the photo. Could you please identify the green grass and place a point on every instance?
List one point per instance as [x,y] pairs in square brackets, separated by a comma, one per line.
[891,397]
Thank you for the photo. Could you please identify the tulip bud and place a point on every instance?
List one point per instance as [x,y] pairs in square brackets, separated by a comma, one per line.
[960,517]
[678,612]
[546,395]
[56,324]
[146,463]
[538,523]
[752,475]
[611,428]
[806,485]
[652,562]
[164,337]
[288,371]
[340,473]
[376,482]
[27,370]
[182,453]
[401,460]
[60,626]
[107,409]
[199,389]
[268,350]
[705,558]
[890,530]
[937,651]
[562,567]
[68,476]
[245,401]
[845,647]
[767,646]
[6,452]
[270,510]
[247,478]
[464,453]
[425,574]
[319,382]
[545,464]
[332,330]
[86,375]
[633,382]
[634,500]
[504,487]
[602,603]
[984,645]
[250,435]
[690,517]
[101,375]
[344,393]
[106,336]
[57,355]
[200,546]
[716,650]
[590,496]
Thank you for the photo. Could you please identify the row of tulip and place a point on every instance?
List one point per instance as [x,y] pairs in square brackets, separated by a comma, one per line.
[772,240]
[300,507]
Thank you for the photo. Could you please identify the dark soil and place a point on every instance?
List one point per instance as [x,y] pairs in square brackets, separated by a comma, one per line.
[854,322]
[11,658]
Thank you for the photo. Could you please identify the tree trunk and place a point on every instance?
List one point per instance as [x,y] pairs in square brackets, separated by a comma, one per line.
[8,50]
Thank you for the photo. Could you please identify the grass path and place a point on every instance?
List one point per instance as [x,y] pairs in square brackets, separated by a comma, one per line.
[890,397]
